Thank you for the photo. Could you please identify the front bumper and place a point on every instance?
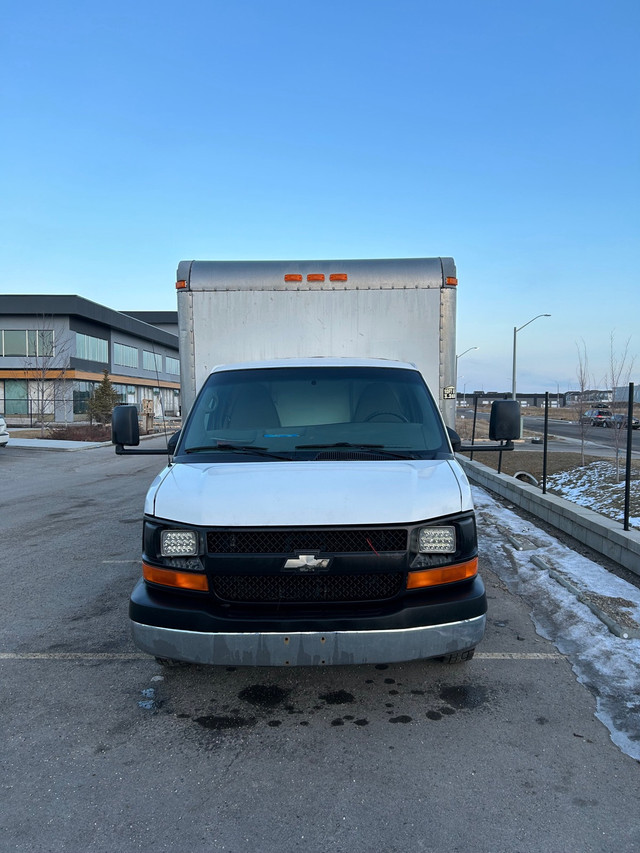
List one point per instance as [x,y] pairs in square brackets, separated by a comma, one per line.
[309,648]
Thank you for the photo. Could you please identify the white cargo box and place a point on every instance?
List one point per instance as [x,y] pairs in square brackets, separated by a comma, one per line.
[234,311]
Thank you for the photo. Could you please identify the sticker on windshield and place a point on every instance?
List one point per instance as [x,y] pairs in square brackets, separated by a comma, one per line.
[281,435]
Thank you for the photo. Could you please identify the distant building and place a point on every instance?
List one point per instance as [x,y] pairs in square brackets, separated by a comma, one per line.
[588,396]
[55,349]
[621,394]
[535,399]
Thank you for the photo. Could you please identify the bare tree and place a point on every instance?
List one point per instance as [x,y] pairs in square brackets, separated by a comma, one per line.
[46,367]
[618,374]
[584,382]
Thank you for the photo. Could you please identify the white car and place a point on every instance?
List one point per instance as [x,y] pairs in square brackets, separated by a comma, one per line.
[4,435]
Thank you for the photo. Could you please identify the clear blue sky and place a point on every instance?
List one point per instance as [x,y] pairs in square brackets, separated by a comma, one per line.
[504,134]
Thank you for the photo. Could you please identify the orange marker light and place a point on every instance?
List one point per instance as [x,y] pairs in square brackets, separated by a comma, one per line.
[169,577]
[447,574]
[292,277]
[181,285]
[451,280]
[315,276]
[338,276]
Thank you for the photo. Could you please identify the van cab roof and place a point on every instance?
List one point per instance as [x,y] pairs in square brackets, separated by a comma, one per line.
[316,361]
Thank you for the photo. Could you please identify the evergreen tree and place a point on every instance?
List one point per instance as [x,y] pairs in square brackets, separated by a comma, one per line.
[103,400]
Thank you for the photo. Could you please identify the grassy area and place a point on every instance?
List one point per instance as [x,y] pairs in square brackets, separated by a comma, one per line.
[593,485]
[531,461]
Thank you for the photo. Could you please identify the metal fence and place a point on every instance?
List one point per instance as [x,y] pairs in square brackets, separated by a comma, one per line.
[545,438]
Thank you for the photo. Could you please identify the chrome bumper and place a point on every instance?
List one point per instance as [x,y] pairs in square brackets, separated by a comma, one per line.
[310,648]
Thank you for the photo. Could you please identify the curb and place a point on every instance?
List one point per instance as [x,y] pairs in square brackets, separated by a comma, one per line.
[624,632]
[603,535]
[40,444]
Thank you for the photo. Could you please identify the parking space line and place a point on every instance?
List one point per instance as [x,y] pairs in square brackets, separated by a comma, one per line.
[73,656]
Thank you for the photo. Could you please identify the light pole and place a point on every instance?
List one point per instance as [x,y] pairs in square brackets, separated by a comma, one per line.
[460,356]
[515,332]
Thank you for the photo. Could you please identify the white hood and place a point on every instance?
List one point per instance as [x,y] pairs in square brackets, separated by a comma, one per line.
[249,494]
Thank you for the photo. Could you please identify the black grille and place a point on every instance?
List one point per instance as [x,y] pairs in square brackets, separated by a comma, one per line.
[306,588]
[289,541]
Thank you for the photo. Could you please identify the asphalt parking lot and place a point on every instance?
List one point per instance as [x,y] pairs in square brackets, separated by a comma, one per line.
[103,749]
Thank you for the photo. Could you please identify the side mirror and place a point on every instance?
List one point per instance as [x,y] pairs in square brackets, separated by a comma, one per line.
[505,423]
[454,438]
[124,426]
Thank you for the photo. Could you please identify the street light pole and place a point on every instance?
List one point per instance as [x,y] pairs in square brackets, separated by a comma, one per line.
[460,356]
[515,333]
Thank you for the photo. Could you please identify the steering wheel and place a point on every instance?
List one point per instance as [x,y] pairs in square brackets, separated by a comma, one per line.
[389,414]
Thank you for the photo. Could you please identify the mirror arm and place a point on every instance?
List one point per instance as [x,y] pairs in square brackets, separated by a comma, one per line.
[121,450]
[483,448]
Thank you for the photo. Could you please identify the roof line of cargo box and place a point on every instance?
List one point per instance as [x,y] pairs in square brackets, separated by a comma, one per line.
[380,274]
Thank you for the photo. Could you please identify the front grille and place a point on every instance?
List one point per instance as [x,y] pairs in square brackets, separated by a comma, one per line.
[307,588]
[295,540]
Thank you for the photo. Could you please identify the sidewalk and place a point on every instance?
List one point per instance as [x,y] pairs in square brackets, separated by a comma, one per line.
[54,444]
[50,444]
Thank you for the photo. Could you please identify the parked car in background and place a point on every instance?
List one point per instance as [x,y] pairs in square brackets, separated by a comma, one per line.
[4,435]
[620,421]
[597,417]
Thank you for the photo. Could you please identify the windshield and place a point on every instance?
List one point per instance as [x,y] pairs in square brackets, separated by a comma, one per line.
[297,412]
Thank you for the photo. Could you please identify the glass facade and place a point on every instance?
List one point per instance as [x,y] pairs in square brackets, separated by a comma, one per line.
[125,356]
[81,395]
[152,361]
[26,343]
[15,397]
[92,349]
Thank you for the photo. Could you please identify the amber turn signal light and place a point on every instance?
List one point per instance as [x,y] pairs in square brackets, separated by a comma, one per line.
[169,577]
[447,574]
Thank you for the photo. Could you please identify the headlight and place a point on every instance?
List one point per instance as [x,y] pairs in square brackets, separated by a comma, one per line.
[437,540]
[178,543]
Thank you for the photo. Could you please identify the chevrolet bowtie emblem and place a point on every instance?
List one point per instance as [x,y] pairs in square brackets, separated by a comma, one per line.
[307,563]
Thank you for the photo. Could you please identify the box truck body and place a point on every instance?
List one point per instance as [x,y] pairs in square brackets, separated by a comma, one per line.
[404,309]
[312,511]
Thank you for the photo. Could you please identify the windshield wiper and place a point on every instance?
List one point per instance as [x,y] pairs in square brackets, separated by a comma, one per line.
[237,448]
[347,445]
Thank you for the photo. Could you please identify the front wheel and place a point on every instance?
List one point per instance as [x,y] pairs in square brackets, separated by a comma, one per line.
[171,663]
[457,657]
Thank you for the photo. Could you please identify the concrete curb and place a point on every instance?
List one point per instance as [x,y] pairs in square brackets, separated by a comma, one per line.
[616,628]
[603,535]
[40,444]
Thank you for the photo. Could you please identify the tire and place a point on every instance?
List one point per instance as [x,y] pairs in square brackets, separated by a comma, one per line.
[170,663]
[457,657]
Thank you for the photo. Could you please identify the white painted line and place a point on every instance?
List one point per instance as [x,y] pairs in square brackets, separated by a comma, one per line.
[73,656]
[517,656]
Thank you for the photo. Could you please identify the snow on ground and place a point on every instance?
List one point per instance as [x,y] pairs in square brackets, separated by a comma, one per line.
[595,488]
[607,664]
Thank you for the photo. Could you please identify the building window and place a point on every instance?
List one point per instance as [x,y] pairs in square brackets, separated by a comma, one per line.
[122,391]
[173,365]
[81,395]
[26,342]
[92,349]
[152,361]
[15,397]
[125,356]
